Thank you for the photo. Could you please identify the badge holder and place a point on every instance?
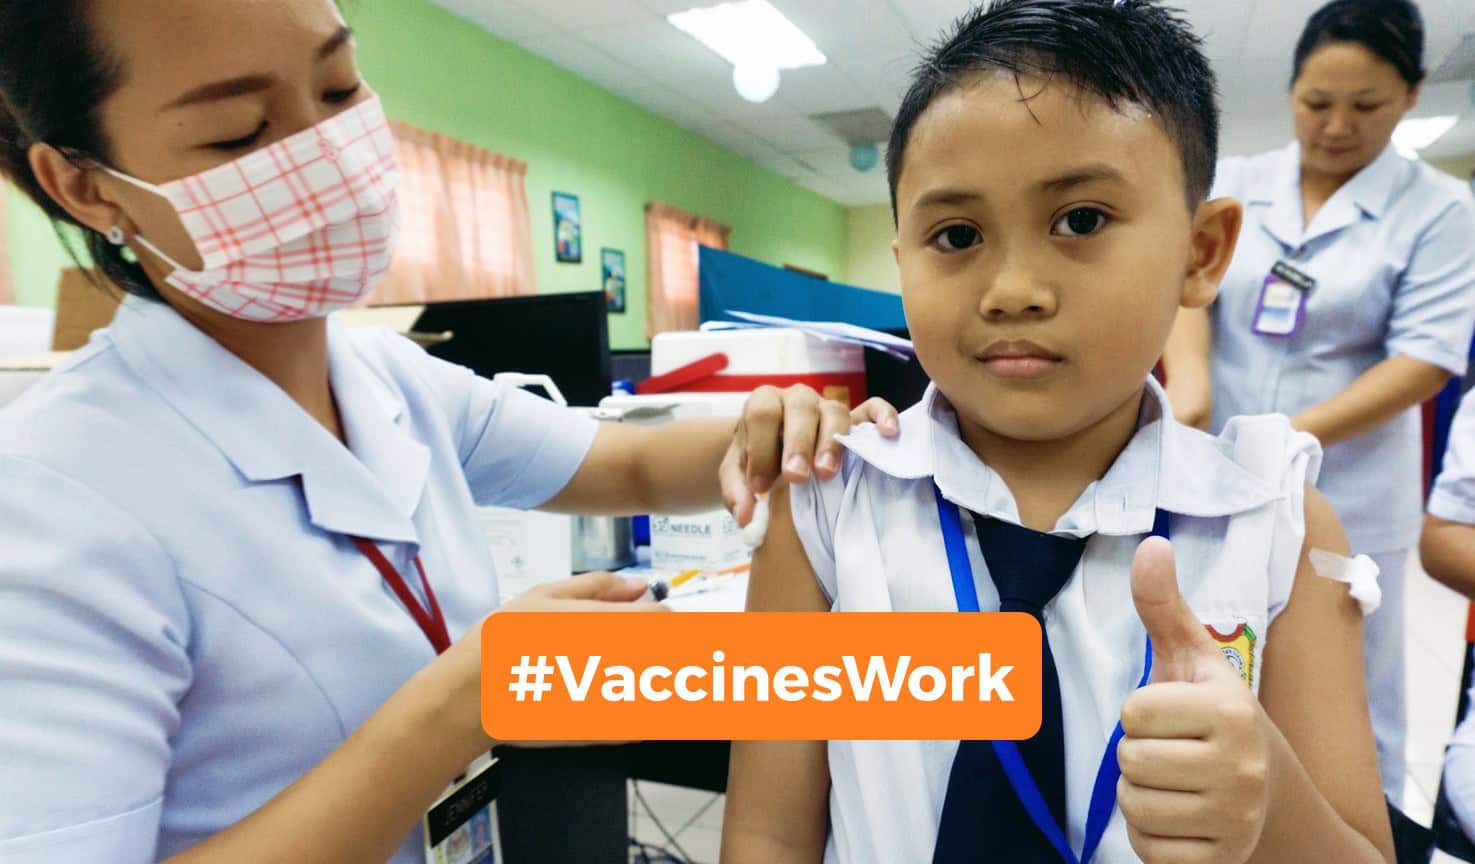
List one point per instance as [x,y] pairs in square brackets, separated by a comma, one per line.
[461,827]
[1282,307]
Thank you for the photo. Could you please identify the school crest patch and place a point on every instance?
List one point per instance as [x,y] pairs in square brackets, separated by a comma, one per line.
[1238,647]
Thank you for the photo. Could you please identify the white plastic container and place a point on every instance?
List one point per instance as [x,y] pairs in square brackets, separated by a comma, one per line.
[696,542]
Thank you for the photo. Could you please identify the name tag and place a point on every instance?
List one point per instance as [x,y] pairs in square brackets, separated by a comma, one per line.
[1282,307]
[461,828]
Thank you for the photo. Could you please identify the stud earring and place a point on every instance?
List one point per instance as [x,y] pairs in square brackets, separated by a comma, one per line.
[115,235]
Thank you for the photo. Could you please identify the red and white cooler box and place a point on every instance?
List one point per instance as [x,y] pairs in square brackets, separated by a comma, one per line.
[710,374]
[741,361]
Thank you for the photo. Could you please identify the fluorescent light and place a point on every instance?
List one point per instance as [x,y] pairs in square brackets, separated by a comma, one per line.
[1415,134]
[749,33]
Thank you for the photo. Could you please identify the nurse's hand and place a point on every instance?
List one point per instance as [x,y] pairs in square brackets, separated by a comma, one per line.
[460,668]
[587,592]
[1195,754]
[787,434]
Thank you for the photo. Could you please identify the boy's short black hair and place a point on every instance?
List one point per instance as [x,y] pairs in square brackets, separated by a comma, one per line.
[1123,51]
[1391,29]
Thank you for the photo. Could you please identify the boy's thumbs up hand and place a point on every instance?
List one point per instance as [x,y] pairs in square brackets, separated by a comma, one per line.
[1195,752]
[1182,649]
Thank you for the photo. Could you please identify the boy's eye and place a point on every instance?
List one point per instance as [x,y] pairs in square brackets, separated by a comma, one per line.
[1367,109]
[956,238]
[1317,106]
[1080,222]
[239,143]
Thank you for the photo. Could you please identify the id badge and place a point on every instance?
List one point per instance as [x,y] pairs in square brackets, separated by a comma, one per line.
[1282,306]
[461,828]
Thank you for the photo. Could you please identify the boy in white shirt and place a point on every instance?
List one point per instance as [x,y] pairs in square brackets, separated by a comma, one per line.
[1048,170]
[1447,551]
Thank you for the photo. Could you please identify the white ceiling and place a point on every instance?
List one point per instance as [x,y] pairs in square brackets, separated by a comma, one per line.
[628,48]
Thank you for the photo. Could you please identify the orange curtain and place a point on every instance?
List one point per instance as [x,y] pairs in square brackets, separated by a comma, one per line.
[466,232]
[7,286]
[671,240]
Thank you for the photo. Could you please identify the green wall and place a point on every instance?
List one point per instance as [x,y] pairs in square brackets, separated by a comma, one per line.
[36,256]
[436,71]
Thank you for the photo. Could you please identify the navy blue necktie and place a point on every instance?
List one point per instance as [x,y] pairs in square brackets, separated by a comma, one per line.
[982,818]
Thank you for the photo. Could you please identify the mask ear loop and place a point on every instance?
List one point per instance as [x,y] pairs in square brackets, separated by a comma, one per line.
[118,237]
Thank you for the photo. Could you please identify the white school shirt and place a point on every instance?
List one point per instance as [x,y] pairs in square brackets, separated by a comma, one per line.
[1453,499]
[1393,253]
[873,538]
[185,626]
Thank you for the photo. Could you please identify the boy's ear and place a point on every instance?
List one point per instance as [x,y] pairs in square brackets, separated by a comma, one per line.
[1215,232]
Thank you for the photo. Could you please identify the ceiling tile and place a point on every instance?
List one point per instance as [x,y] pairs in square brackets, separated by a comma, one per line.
[582,58]
[885,81]
[928,19]
[681,110]
[669,56]
[783,127]
[582,16]
[504,18]
[823,89]
[839,26]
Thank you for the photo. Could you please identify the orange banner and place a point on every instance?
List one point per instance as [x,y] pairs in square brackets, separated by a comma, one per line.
[760,676]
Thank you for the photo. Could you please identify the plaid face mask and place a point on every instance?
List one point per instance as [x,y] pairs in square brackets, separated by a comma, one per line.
[294,230]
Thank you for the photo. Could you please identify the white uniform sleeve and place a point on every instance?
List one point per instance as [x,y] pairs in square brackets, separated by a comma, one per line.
[1453,497]
[93,661]
[815,507]
[518,450]
[1290,460]
[1433,312]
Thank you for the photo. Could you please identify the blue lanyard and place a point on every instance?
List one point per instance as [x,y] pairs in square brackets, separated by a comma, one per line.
[1103,793]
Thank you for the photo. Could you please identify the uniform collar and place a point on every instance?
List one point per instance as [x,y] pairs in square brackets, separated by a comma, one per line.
[1165,465]
[1368,194]
[369,491]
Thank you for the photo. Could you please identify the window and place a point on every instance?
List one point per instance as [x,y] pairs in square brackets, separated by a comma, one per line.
[672,237]
[465,232]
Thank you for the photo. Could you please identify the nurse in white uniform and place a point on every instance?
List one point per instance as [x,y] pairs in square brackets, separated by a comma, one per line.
[1350,301]
[234,537]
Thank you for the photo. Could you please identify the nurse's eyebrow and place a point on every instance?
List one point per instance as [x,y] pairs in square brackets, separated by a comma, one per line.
[245,85]
[336,41]
[218,90]
[1095,173]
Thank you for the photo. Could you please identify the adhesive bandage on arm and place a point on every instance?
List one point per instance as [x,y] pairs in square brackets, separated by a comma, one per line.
[1359,574]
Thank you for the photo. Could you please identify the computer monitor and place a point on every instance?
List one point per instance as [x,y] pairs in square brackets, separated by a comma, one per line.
[563,336]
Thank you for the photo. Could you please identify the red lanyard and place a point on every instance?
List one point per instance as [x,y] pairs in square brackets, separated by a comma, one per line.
[432,623]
